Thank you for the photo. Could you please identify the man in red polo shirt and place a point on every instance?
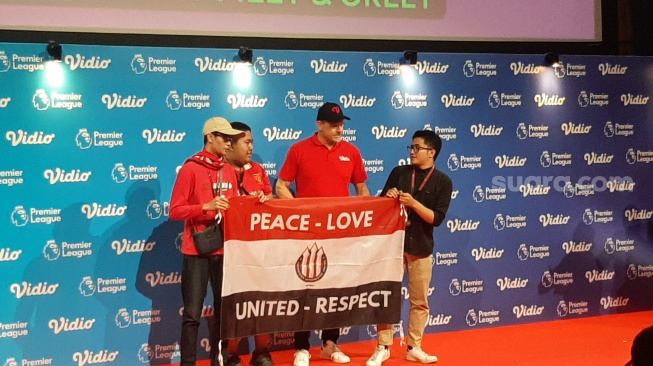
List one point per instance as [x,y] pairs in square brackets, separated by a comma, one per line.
[323,165]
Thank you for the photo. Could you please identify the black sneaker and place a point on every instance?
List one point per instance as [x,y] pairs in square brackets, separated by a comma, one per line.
[233,360]
[261,359]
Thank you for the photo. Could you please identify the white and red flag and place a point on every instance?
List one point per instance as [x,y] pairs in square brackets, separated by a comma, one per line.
[311,263]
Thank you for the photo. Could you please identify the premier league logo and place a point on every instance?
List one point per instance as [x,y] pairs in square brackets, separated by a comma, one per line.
[291,100]
[4,62]
[471,318]
[631,157]
[522,132]
[608,129]
[499,222]
[397,100]
[372,331]
[119,173]
[87,287]
[83,139]
[145,354]
[260,67]
[178,240]
[122,318]
[545,159]
[468,69]
[40,100]
[560,71]
[631,272]
[478,194]
[19,216]
[368,68]
[494,100]
[138,64]
[568,190]
[562,309]
[452,163]
[547,279]
[455,287]
[11,362]
[173,100]
[583,99]
[609,246]
[588,218]
[154,210]
[522,252]
[51,250]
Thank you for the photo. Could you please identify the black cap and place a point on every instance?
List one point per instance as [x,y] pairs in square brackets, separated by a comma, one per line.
[331,112]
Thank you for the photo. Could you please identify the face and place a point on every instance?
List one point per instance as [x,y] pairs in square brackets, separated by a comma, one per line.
[331,132]
[240,152]
[218,145]
[421,154]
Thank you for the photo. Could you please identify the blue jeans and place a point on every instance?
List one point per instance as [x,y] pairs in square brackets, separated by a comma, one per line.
[195,276]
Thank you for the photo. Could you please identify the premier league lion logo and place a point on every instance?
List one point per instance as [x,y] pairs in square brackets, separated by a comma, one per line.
[494,100]
[397,100]
[547,279]
[608,129]
[291,100]
[545,159]
[138,64]
[631,157]
[588,218]
[41,101]
[173,100]
[87,287]
[119,173]
[452,163]
[522,132]
[455,287]
[51,250]
[499,222]
[19,216]
[122,318]
[154,210]
[368,68]
[568,190]
[583,99]
[562,309]
[468,69]
[522,252]
[471,318]
[260,67]
[83,139]
[4,62]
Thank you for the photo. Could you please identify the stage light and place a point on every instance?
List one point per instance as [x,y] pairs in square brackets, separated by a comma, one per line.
[54,50]
[410,58]
[245,54]
[552,59]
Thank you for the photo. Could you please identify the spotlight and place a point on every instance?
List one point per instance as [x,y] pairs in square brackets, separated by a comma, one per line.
[245,54]
[410,58]
[54,50]
[552,59]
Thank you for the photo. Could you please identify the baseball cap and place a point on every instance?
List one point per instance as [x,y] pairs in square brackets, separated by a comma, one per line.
[330,112]
[221,125]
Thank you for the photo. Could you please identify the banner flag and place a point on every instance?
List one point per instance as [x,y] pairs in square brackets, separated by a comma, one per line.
[311,263]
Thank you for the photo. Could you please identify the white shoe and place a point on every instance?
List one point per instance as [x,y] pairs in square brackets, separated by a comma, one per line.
[331,351]
[416,354]
[301,358]
[381,353]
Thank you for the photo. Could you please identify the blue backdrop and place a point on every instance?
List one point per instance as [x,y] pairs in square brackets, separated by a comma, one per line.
[550,217]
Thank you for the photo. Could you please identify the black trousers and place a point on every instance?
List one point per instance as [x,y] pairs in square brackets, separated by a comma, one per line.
[197,272]
[301,338]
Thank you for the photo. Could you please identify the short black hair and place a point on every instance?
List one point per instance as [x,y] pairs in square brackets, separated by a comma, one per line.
[431,139]
[240,126]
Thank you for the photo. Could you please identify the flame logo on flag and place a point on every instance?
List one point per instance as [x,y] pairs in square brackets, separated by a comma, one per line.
[312,264]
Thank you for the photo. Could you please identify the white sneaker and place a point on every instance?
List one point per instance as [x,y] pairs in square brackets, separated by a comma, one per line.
[416,354]
[380,354]
[331,351]
[301,358]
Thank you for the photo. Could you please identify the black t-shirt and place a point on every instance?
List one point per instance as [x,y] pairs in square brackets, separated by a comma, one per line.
[435,195]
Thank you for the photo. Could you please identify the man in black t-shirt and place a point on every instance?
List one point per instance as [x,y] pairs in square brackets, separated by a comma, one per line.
[426,193]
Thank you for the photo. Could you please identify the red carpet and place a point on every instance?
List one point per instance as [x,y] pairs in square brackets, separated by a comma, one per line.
[596,341]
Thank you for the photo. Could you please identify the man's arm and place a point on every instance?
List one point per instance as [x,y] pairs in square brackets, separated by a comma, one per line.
[283,189]
[361,189]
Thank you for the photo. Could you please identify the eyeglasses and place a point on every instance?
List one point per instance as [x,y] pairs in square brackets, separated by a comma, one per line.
[417,148]
[224,137]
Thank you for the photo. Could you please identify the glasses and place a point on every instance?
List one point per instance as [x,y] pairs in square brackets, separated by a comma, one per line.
[417,148]
[224,137]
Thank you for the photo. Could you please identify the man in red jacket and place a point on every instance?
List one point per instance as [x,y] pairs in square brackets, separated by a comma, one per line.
[199,197]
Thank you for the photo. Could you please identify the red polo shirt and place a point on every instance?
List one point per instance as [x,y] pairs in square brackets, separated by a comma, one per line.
[254,179]
[322,172]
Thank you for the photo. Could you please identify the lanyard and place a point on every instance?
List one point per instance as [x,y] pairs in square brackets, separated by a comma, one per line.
[421,186]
